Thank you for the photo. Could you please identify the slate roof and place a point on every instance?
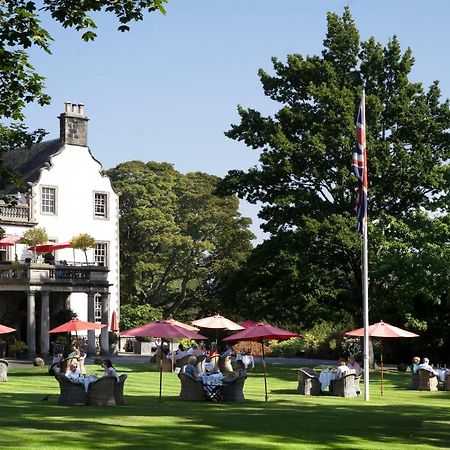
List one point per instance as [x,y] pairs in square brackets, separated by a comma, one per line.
[28,162]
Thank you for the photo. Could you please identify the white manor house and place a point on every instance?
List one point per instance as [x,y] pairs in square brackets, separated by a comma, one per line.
[68,194]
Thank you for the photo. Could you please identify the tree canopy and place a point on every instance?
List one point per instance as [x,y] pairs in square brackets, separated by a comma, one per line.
[304,183]
[178,239]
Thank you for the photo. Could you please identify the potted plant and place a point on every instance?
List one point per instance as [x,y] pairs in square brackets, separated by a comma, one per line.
[83,242]
[18,348]
[33,237]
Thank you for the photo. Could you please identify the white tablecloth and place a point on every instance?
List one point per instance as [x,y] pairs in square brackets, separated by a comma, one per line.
[246,359]
[211,379]
[325,378]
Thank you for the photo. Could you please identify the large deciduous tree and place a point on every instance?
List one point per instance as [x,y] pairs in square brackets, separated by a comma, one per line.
[178,239]
[307,191]
[21,29]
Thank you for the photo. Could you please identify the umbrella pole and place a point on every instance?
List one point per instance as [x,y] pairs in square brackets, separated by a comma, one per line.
[381,361]
[264,369]
[160,371]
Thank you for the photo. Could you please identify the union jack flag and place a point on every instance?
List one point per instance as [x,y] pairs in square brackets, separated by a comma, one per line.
[359,165]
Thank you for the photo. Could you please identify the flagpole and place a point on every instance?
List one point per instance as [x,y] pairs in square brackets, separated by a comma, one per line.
[365,285]
[365,264]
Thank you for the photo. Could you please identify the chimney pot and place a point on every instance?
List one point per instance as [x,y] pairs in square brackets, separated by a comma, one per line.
[67,106]
[81,109]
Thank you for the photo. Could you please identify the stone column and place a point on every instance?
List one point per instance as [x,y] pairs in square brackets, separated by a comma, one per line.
[45,323]
[91,318]
[104,338]
[31,323]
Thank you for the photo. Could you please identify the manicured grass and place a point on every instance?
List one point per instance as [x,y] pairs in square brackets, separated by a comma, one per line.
[401,419]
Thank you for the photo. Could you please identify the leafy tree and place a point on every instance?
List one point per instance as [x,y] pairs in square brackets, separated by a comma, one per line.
[133,316]
[83,242]
[307,192]
[20,30]
[177,238]
[33,237]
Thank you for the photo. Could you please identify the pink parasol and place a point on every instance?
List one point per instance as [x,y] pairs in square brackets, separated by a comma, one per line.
[9,240]
[382,330]
[4,329]
[248,324]
[165,330]
[262,332]
[114,326]
[182,325]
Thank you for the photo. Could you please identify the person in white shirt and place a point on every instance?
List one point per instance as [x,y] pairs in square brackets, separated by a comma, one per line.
[342,368]
[73,373]
[109,369]
[426,366]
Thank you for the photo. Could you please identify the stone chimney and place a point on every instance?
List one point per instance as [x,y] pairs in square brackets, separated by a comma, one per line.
[73,124]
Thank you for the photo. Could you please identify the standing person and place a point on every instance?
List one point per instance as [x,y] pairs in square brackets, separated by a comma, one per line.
[213,350]
[109,369]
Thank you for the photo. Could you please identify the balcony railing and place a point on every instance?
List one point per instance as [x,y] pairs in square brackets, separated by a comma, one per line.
[15,214]
[49,273]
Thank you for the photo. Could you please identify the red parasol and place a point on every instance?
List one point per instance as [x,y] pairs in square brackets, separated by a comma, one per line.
[382,330]
[262,332]
[50,246]
[114,326]
[165,330]
[77,325]
[4,329]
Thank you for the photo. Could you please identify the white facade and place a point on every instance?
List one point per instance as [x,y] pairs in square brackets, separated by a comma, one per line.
[73,196]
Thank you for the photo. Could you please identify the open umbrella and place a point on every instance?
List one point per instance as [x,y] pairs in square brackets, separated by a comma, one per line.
[182,325]
[76,325]
[9,240]
[4,329]
[217,322]
[262,332]
[382,330]
[248,324]
[165,330]
[114,326]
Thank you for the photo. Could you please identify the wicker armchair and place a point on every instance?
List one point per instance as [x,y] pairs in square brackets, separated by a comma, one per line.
[345,386]
[118,390]
[200,365]
[308,381]
[3,370]
[191,389]
[71,393]
[101,392]
[428,381]
[415,379]
[233,391]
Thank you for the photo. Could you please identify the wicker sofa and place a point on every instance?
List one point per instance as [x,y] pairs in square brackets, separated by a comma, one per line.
[118,390]
[71,393]
[225,364]
[428,381]
[308,381]
[191,389]
[233,391]
[415,380]
[102,392]
[345,386]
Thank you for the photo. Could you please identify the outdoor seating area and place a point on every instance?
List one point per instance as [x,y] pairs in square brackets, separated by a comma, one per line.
[105,391]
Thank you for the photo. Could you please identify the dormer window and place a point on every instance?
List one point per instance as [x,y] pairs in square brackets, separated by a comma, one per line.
[100,205]
[48,200]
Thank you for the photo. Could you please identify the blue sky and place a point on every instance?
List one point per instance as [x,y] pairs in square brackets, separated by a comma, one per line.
[168,89]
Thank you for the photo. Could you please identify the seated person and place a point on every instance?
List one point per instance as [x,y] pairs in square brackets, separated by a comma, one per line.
[353,365]
[415,364]
[228,351]
[73,373]
[190,368]
[213,350]
[109,369]
[426,366]
[238,372]
[342,368]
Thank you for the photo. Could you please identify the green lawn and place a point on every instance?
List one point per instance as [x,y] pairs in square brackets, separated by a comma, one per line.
[401,419]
